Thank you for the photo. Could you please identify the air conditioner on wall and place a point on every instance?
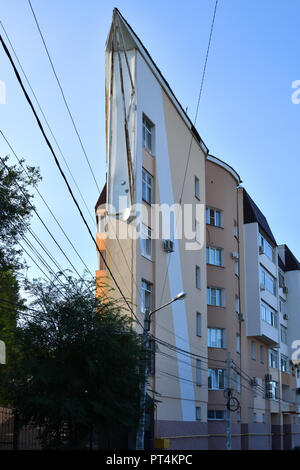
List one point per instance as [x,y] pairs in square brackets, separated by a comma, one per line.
[285,290]
[285,316]
[168,246]
[241,317]
[262,287]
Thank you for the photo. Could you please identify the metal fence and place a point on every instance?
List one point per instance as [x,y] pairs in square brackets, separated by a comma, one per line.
[16,437]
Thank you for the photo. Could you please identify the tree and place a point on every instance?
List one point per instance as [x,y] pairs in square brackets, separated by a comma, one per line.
[15,212]
[79,366]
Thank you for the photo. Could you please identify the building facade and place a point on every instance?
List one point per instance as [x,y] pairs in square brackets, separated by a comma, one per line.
[172,218]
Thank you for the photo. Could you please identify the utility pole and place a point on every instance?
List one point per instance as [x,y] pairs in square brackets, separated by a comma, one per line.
[140,436]
[228,411]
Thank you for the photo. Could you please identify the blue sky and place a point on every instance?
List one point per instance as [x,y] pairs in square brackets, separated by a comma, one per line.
[246,115]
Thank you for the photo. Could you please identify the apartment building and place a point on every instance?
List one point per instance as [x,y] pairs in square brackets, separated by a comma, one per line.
[172,218]
[149,139]
[267,331]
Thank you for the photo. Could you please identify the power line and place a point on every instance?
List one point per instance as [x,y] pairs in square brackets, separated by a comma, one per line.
[44,224]
[63,94]
[47,123]
[200,94]
[63,175]
[191,140]
[46,204]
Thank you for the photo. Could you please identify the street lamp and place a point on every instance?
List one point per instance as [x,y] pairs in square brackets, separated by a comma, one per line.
[140,436]
[148,314]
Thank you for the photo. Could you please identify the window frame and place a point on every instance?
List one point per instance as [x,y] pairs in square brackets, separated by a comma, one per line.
[209,217]
[198,324]
[146,283]
[211,252]
[197,188]
[198,276]
[147,186]
[148,130]
[219,337]
[221,296]
[147,231]
[216,379]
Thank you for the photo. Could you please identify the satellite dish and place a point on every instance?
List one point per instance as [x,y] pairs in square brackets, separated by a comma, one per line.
[128,215]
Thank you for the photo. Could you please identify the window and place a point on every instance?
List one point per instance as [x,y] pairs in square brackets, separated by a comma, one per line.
[264,418]
[281,280]
[198,372]
[215,415]
[267,281]
[214,256]
[273,358]
[198,413]
[148,135]
[146,241]
[238,343]
[253,350]
[262,354]
[284,364]
[198,277]
[274,389]
[147,187]
[216,379]
[215,296]
[283,334]
[215,338]
[282,306]
[268,314]
[266,247]
[237,304]
[238,416]
[146,296]
[197,188]
[198,324]
[235,229]
[254,417]
[214,217]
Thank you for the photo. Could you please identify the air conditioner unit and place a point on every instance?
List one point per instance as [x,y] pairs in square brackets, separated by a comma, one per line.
[235,255]
[241,317]
[268,377]
[168,246]
[285,316]
[254,381]
[285,290]
[262,287]
[261,250]
[269,395]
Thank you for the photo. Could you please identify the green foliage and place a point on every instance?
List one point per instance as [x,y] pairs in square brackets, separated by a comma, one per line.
[15,204]
[79,365]
[15,211]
